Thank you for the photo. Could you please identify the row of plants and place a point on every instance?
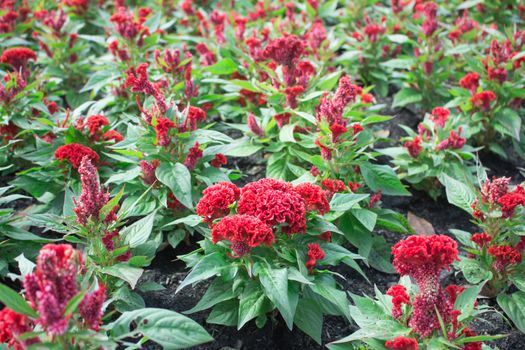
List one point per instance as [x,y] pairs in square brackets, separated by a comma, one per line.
[123,125]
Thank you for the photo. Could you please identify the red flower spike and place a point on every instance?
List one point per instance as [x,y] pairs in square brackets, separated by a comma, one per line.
[216,201]
[194,154]
[18,57]
[315,198]
[399,297]
[414,147]
[481,239]
[402,343]
[504,256]
[511,200]
[148,171]
[219,160]
[13,325]
[483,100]
[314,254]
[470,82]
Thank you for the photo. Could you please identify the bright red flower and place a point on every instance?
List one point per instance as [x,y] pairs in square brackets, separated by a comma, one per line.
[483,99]
[454,141]
[467,332]
[274,202]
[505,256]
[337,130]
[148,171]
[17,57]
[498,74]
[399,297]
[91,307]
[333,186]
[195,114]
[74,153]
[326,152]
[13,325]
[373,30]
[112,135]
[253,126]
[216,201]
[314,197]
[511,200]
[219,160]
[402,343]
[492,191]
[163,128]
[244,232]
[95,123]
[286,50]
[470,82]
[354,186]
[440,116]
[291,95]
[453,291]
[414,147]
[314,254]
[481,239]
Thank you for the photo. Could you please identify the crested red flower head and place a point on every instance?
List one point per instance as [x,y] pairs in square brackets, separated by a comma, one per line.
[314,254]
[148,171]
[17,57]
[253,126]
[286,50]
[440,116]
[481,239]
[163,128]
[91,307]
[112,135]
[219,160]
[74,153]
[274,202]
[195,114]
[399,297]
[470,82]
[511,200]
[95,123]
[414,147]
[402,343]
[326,152]
[453,291]
[12,326]
[477,345]
[282,118]
[504,256]
[483,100]
[315,198]
[194,154]
[454,141]
[493,190]
[291,95]
[333,186]
[337,130]
[244,232]
[216,201]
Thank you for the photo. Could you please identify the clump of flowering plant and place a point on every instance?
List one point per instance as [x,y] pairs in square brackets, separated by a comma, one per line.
[438,147]
[423,314]
[61,307]
[267,245]
[495,252]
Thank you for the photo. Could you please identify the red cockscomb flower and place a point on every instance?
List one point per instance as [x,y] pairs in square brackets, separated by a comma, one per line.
[282,119]
[216,201]
[148,171]
[402,343]
[163,128]
[17,57]
[440,116]
[253,126]
[454,141]
[399,297]
[470,82]
[511,200]
[333,186]
[195,114]
[314,197]
[483,99]
[286,50]
[505,256]
[194,154]
[314,254]
[219,160]
[12,326]
[414,147]
[91,307]
[492,191]
[244,232]
[74,153]
[274,202]
[112,135]
[95,123]
[481,239]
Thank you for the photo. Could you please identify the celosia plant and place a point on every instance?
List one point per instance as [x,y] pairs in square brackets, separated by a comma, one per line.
[438,147]
[420,315]
[59,308]
[266,251]
[495,252]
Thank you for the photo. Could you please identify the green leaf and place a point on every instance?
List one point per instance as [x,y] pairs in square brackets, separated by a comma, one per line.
[108,207]
[345,201]
[225,313]
[383,178]
[332,295]
[15,302]
[74,302]
[275,283]
[218,292]
[167,328]
[406,96]
[309,319]
[125,272]
[514,307]
[251,305]
[510,121]
[139,232]
[473,270]
[366,217]
[519,280]
[178,180]
[329,81]
[207,267]
[458,193]
[224,66]
[286,133]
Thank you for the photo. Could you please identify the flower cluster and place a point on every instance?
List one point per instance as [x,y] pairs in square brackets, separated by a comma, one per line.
[74,153]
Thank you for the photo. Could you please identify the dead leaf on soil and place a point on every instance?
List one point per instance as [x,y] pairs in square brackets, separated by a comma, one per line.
[420,225]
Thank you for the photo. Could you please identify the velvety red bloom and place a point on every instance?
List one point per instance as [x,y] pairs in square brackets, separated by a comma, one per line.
[14,84]
[314,171]
[402,343]
[305,71]
[430,23]
[332,109]
[291,95]
[50,288]
[399,297]
[481,239]
[505,256]
[91,307]
[126,25]
[253,126]
[337,130]
[195,114]
[483,99]
[139,81]
[440,116]
[492,191]
[333,186]
[216,201]
[282,118]
[373,30]
[454,141]
[194,154]
[148,171]
[467,332]
[511,200]
[95,123]
[286,50]
[9,131]
[374,199]
[274,202]
[367,98]
[112,135]
[163,128]
[13,325]
[92,198]
[498,74]
[74,153]
[354,186]
[326,152]
[314,254]
[17,57]
[470,82]
[414,147]
[244,232]
[219,160]
[315,198]
[325,236]
[453,291]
